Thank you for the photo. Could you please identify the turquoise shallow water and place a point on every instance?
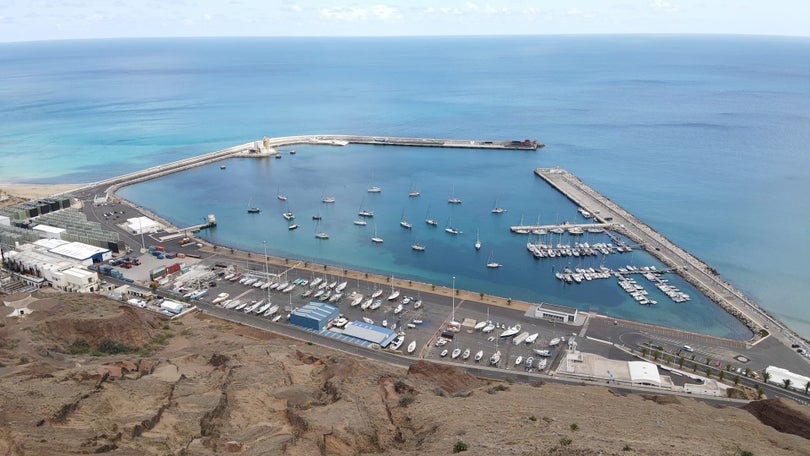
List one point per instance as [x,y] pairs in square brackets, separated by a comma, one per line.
[701,137]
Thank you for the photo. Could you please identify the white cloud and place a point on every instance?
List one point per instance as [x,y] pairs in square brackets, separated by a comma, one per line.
[664,5]
[361,13]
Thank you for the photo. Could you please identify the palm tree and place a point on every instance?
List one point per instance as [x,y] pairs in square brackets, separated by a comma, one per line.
[644,352]
[760,391]
[680,361]
[806,387]
[747,371]
[721,375]
[728,366]
[786,383]
[765,377]
[708,360]
[737,379]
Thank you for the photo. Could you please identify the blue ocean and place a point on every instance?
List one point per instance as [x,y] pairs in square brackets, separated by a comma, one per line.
[702,137]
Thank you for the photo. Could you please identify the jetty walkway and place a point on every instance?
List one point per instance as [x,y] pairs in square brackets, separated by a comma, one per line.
[689,267]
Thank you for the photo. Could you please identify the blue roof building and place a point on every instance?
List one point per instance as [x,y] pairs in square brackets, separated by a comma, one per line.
[371,333]
[314,315]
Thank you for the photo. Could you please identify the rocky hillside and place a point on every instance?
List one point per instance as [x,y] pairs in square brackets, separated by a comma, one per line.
[85,375]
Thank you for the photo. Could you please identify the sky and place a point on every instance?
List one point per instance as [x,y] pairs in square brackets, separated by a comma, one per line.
[33,20]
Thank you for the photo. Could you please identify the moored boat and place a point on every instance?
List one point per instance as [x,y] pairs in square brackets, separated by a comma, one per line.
[412,347]
[479,355]
[456,353]
[495,358]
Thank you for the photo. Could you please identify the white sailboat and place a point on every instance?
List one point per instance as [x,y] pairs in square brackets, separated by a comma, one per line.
[373,188]
[412,347]
[279,195]
[376,239]
[477,240]
[532,338]
[453,199]
[479,355]
[456,353]
[511,331]
[430,221]
[364,212]
[492,264]
[413,193]
[497,209]
[394,293]
[450,229]
[320,234]
[404,222]
[466,355]
[251,208]
[418,247]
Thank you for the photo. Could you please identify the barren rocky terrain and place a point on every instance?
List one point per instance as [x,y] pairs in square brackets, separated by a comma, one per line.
[86,375]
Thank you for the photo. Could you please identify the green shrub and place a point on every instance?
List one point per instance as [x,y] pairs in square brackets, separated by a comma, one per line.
[459,447]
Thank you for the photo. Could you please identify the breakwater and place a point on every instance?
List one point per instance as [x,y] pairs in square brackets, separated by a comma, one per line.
[692,269]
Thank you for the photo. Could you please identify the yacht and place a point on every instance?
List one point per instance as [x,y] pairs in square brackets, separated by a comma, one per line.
[477,241]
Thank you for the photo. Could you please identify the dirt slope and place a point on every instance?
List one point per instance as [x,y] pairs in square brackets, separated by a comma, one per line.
[204,386]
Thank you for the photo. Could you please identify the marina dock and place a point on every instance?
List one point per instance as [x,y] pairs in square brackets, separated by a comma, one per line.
[528,229]
[689,267]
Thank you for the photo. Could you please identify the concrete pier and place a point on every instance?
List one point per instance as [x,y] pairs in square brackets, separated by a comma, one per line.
[520,228]
[689,267]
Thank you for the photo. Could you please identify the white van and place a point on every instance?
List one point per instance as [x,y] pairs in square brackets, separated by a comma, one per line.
[688,348]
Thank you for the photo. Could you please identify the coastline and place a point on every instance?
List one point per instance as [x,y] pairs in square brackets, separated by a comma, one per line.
[35,191]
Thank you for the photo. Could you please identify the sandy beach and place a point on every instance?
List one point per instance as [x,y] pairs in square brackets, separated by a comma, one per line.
[34,191]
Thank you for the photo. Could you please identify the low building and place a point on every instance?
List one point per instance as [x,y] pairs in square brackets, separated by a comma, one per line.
[49,232]
[643,373]
[143,225]
[370,333]
[40,265]
[172,306]
[554,312]
[85,253]
[314,315]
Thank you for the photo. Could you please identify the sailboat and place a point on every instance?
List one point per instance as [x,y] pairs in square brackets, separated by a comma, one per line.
[327,199]
[251,208]
[404,222]
[418,247]
[453,199]
[280,195]
[497,209]
[363,212]
[492,263]
[430,221]
[466,355]
[320,234]
[456,353]
[477,240]
[479,355]
[373,188]
[376,239]
[394,293]
[450,228]
[412,347]
[413,193]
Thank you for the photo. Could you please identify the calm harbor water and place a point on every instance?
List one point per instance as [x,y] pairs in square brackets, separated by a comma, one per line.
[699,136]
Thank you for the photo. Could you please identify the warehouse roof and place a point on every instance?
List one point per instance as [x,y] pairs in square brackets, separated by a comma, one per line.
[49,229]
[371,333]
[78,250]
[316,310]
[644,373]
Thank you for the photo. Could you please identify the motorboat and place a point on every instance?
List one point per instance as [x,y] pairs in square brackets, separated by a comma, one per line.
[385,323]
[466,354]
[292,226]
[443,353]
[479,355]
[368,320]
[456,353]
[532,338]
[412,347]
[418,247]
[518,360]
[417,304]
[288,215]
[554,342]
[495,358]
[398,309]
[396,343]
[480,325]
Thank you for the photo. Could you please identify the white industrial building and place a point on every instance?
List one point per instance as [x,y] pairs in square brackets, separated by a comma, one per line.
[371,333]
[643,373]
[62,273]
[143,225]
[554,312]
[84,253]
[49,232]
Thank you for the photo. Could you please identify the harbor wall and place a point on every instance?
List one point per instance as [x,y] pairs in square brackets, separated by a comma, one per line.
[692,269]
